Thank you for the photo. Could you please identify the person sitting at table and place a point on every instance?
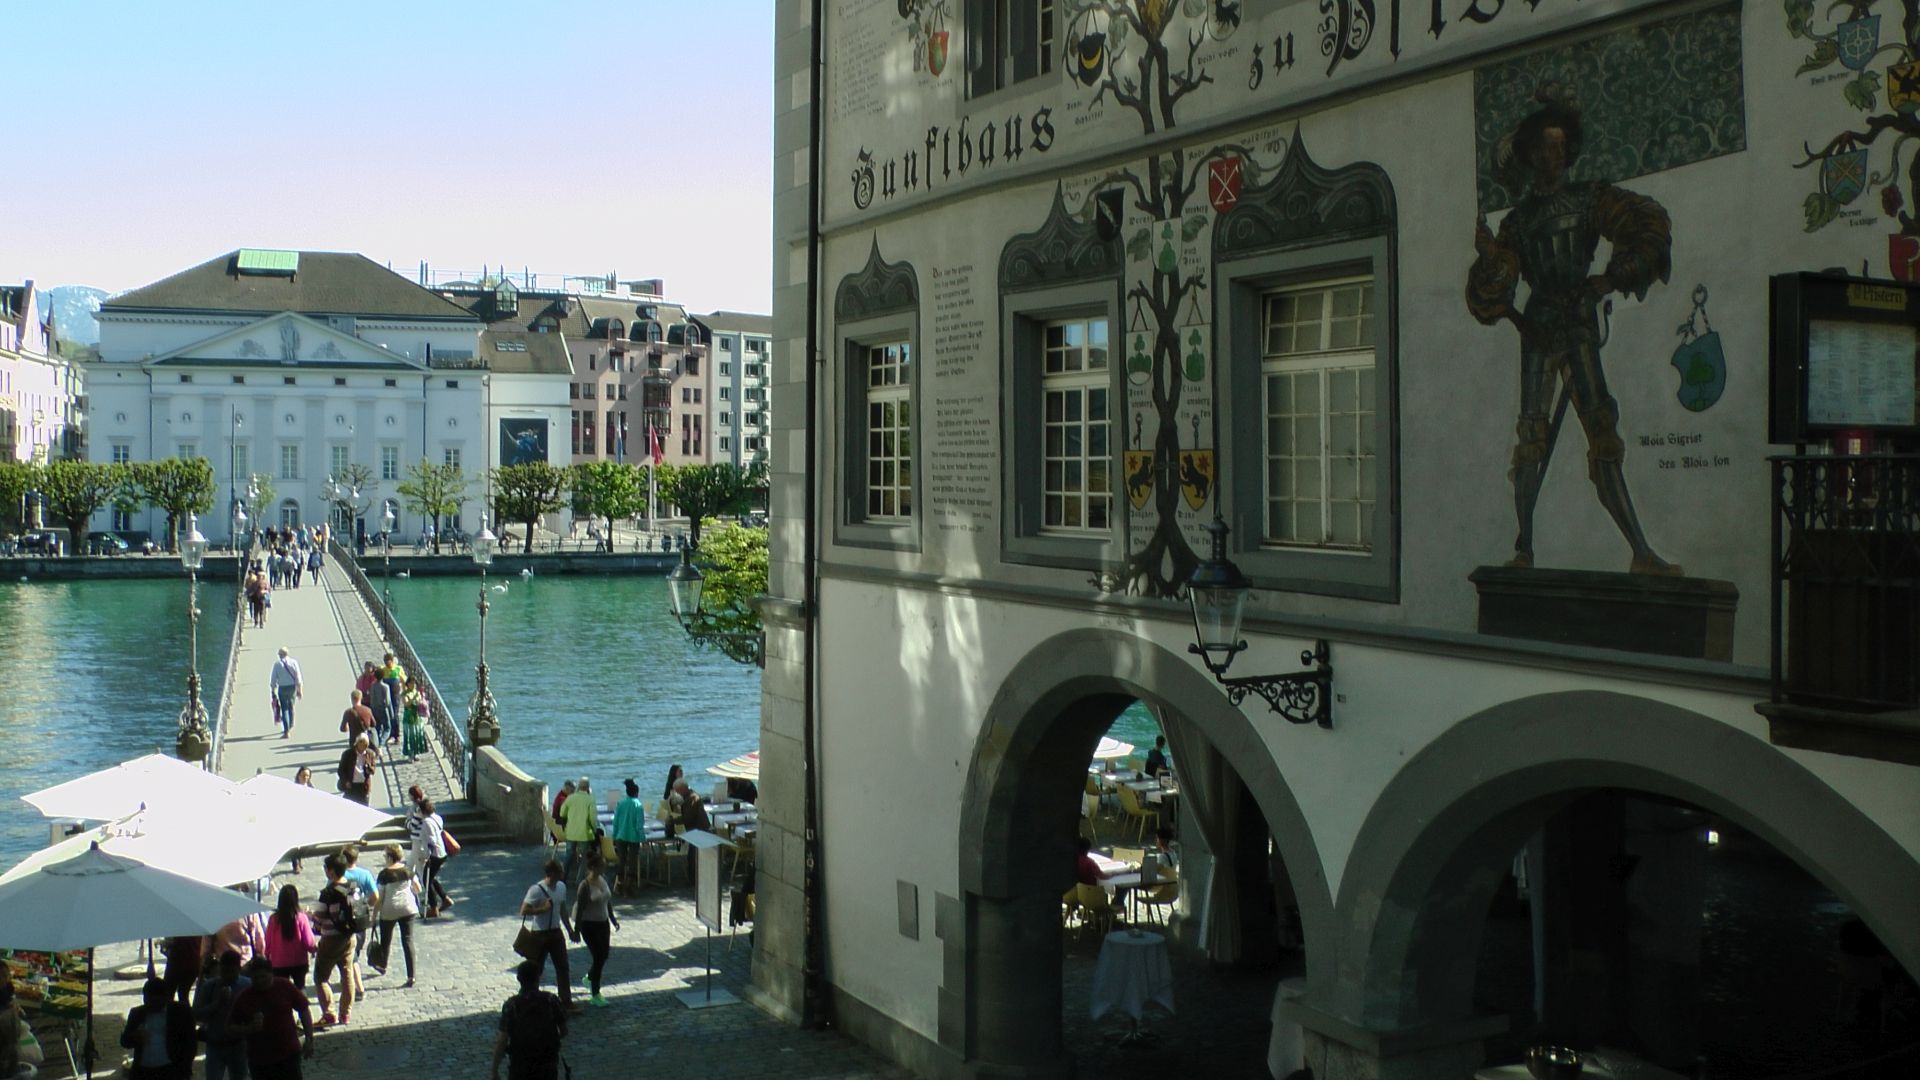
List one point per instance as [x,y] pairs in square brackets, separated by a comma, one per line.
[693,810]
[1168,848]
[1157,757]
[1086,871]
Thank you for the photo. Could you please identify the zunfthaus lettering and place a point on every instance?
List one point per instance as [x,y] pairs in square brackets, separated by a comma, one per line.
[950,150]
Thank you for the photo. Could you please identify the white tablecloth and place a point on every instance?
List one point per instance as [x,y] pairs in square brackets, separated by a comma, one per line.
[1133,970]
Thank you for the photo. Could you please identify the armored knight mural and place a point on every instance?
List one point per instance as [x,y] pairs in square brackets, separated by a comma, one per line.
[1548,242]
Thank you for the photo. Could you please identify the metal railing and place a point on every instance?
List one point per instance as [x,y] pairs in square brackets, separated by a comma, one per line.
[1846,581]
[447,728]
[219,722]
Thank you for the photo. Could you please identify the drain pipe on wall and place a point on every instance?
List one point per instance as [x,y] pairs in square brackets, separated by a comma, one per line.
[814,1010]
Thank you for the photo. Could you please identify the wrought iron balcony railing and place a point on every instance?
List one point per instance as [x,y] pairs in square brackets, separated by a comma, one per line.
[1846,582]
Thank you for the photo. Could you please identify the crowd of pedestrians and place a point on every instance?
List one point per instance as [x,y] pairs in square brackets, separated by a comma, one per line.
[287,554]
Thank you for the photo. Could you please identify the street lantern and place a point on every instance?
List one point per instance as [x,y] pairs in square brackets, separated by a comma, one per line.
[193,547]
[387,519]
[193,741]
[1218,592]
[683,587]
[483,721]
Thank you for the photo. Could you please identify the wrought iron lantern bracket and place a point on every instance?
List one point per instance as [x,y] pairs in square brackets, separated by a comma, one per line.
[1304,697]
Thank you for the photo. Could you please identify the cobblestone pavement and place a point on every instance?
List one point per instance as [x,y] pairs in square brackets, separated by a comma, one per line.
[444,1025]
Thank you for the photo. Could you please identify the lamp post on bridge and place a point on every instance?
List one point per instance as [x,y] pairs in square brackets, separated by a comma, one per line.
[483,724]
[386,573]
[193,741]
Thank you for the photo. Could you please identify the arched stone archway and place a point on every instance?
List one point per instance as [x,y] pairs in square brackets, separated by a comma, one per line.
[1001,995]
[1415,892]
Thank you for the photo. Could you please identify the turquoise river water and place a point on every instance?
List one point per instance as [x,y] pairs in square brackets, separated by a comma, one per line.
[592,676]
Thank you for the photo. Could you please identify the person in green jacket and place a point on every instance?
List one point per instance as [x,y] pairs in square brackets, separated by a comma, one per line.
[582,818]
[629,832]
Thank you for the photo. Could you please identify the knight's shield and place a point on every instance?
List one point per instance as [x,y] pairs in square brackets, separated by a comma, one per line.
[1845,175]
[937,52]
[1139,466]
[1859,39]
[1196,476]
[1903,257]
[1702,365]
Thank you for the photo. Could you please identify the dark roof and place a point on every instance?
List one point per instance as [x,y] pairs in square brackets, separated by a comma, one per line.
[738,322]
[326,283]
[522,352]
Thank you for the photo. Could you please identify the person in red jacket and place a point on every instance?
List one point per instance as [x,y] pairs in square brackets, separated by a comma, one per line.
[265,1013]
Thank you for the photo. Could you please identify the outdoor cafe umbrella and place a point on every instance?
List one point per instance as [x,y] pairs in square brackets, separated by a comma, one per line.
[302,815]
[228,848]
[744,767]
[1111,748]
[94,899]
[126,788]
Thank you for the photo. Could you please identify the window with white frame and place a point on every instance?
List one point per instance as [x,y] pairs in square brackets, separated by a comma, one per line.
[1317,402]
[888,371]
[450,457]
[122,453]
[289,461]
[1076,387]
[187,451]
[389,463]
[337,458]
[240,461]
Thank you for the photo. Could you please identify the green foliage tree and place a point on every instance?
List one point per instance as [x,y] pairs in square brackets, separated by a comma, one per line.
[610,490]
[521,493]
[703,491]
[434,491]
[733,562]
[355,477]
[16,479]
[76,490]
[174,486]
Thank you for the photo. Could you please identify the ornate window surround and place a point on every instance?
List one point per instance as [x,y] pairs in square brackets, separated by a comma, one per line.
[877,305]
[1307,223]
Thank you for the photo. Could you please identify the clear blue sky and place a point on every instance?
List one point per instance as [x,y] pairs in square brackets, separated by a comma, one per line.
[632,136]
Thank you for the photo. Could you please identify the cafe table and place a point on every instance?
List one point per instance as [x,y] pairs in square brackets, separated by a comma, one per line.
[1133,971]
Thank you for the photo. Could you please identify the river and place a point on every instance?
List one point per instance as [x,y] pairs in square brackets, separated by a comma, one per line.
[592,676]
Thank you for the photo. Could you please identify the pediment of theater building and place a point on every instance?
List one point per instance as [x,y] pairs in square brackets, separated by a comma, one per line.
[286,340]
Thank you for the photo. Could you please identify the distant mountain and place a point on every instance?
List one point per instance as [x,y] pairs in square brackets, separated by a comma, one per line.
[73,308]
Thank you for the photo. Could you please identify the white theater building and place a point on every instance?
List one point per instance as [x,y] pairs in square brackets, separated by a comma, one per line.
[290,364]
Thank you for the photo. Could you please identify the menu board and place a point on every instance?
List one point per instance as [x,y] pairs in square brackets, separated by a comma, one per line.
[50,984]
[1861,373]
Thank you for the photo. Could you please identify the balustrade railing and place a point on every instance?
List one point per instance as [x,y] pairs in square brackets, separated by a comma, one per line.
[448,729]
[1846,581]
[218,723]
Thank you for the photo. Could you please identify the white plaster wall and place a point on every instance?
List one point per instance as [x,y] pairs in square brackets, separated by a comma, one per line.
[128,337]
[907,677]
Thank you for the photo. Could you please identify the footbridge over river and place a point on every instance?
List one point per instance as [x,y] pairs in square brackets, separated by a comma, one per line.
[332,627]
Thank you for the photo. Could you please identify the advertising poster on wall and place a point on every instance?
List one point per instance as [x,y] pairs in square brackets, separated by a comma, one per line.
[523,441]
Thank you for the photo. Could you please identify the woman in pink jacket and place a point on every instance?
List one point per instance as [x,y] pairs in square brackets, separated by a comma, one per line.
[290,940]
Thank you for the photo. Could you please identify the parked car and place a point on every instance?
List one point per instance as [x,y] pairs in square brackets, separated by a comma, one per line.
[137,540]
[105,543]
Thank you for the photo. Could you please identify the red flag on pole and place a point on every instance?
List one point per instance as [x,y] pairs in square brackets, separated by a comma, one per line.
[654,444]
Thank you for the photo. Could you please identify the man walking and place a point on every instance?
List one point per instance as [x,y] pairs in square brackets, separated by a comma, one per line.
[532,1023]
[314,561]
[357,720]
[544,911]
[213,1010]
[264,1012]
[285,682]
[581,817]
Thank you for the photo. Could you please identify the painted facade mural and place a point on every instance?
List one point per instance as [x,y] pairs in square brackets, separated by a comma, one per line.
[1877,76]
[523,441]
[1603,269]
[1548,241]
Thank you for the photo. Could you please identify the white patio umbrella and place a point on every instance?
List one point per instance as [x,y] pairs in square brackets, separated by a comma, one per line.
[94,898]
[126,788]
[1111,748]
[744,767]
[302,815]
[226,849]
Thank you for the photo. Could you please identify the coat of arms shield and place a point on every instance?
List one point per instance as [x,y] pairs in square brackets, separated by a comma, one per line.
[1196,476]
